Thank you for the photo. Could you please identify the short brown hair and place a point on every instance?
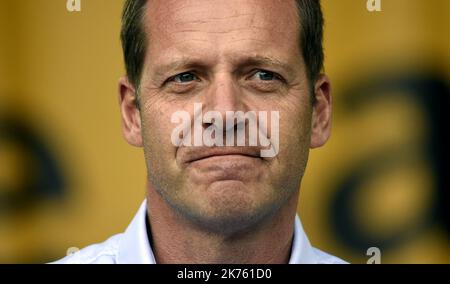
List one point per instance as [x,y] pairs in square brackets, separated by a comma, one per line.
[134,40]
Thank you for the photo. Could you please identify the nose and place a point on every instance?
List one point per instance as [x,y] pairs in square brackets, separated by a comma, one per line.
[223,95]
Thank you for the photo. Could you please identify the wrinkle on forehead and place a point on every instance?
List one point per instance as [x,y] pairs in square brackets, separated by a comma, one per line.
[167,17]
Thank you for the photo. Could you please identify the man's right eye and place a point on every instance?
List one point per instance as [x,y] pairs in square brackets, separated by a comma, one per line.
[185,77]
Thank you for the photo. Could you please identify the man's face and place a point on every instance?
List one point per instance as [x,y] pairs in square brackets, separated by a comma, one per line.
[229,56]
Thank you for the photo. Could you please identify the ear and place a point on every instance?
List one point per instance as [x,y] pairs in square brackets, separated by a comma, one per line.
[131,119]
[321,117]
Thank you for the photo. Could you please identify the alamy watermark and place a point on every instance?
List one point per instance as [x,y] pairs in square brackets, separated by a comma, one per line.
[373,5]
[255,123]
[375,255]
[73,5]
[72,251]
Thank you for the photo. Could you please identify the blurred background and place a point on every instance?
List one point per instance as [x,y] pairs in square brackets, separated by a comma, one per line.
[68,178]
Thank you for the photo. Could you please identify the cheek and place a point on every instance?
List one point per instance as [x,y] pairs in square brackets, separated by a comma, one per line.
[295,118]
[295,131]
[155,124]
[156,132]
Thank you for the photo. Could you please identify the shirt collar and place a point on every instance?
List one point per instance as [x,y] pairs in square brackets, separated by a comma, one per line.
[134,246]
[302,252]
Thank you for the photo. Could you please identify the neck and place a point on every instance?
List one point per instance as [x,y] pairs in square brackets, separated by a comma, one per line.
[177,240]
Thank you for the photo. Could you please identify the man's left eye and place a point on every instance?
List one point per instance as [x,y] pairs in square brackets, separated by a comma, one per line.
[265,75]
[184,77]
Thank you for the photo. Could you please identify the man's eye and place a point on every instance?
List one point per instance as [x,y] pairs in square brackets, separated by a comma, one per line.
[184,77]
[265,75]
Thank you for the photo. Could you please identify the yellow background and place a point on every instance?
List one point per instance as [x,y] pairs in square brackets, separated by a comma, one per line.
[59,74]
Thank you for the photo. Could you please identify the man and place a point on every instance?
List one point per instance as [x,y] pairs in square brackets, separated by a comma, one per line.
[217,202]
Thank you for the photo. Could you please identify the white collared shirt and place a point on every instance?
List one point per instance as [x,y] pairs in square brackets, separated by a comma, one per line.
[133,246]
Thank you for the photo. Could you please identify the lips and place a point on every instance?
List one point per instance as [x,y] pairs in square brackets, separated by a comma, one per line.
[193,154]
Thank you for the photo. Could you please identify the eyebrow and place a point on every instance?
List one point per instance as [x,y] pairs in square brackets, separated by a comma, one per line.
[260,61]
[265,61]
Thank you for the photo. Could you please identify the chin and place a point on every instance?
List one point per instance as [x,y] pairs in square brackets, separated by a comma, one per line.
[230,208]
[226,223]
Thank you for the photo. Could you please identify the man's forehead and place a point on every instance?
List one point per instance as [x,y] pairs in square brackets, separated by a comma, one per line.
[219,15]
